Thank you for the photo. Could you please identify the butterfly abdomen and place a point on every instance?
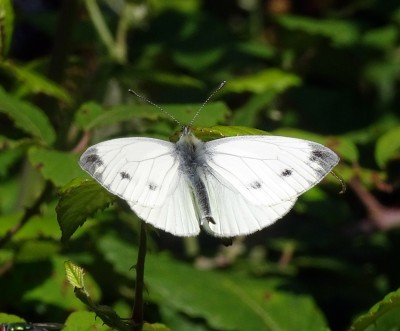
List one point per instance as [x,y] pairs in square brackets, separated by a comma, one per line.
[190,153]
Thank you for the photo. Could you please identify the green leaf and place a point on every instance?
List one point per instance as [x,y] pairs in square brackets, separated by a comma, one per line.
[91,116]
[257,103]
[107,314]
[225,301]
[387,147]
[264,81]
[381,38]
[58,167]
[74,274]
[11,152]
[6,26]
[257,49]
[84,320]
[188,6]
[155,327]
[384,315]
[220,131]
[34,83]
[27,117]
[79,200]
[198,60]
[52,290]
[8,318]
[36,250]
[87,115]
[340,32]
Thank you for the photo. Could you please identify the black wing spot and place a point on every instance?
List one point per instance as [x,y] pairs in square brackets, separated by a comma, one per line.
[286,173]
[256,185]
[94,159]
[316,155]
[125,175]
[152,186]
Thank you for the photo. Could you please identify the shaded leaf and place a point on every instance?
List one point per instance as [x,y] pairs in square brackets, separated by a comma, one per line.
[387,147]
[91,116]
[27,117]
[34,83]
[79,200]
[340,32]
[257,103]
[226,302]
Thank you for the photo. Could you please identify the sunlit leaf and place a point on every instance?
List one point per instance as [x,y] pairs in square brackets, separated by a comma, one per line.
[59,167]
[84,320]
[74,274]
[264,81]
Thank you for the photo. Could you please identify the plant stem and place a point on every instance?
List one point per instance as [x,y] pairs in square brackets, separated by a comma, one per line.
[137,314]
[116,49]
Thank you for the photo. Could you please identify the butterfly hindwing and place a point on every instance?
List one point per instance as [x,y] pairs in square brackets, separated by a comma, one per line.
[234,215]
[177,215]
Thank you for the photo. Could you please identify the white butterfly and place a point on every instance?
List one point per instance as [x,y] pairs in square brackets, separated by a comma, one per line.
[230,186]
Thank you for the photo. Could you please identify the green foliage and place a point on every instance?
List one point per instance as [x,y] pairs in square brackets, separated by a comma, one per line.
[80,199]
[384,315]
[6,26]
[71,253]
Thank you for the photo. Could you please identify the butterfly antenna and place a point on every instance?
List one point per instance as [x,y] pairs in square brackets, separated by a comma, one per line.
[205,102]
[155,105]
[341,180]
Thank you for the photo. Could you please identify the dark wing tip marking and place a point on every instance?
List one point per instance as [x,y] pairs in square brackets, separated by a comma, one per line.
[90,161]
[325,158]
[125,175]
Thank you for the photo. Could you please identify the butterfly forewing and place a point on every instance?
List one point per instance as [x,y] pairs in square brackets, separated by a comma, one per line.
[139,170]
[267,170]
